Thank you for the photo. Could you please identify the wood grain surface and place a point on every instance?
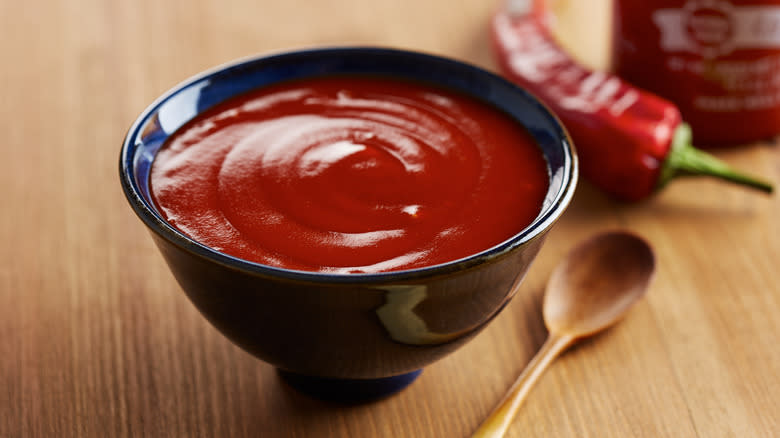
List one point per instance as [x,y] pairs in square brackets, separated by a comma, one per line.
[97,340]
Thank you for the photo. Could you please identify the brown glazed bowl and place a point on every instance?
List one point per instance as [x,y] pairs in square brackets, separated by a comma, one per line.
[346,336]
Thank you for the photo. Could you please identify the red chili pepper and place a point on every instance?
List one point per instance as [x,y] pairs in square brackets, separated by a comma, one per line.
[629,142]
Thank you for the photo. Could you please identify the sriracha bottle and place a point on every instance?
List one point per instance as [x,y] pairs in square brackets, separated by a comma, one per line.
[717,60]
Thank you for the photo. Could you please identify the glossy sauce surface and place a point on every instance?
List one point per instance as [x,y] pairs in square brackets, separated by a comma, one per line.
[350,175]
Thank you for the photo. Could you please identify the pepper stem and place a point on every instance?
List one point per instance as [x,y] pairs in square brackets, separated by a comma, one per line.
[684,159]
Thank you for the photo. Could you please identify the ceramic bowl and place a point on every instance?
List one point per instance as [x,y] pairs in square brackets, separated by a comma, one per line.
[346,336]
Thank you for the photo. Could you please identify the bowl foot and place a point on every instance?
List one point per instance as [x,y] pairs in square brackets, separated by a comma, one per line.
[348,390]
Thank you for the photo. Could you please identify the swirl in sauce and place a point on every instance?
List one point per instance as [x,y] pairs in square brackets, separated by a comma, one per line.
[350,174]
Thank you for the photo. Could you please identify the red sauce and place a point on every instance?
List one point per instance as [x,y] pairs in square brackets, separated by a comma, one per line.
[350,174]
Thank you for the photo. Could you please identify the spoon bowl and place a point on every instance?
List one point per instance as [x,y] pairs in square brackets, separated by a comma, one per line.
[597,283]
[590,290]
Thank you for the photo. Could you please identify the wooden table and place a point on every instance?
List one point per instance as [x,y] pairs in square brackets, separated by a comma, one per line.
[97,340]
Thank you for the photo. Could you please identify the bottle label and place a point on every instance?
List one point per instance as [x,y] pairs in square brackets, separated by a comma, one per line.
[713,28]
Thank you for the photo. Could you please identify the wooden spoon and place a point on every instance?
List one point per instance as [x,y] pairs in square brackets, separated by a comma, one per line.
[589,291]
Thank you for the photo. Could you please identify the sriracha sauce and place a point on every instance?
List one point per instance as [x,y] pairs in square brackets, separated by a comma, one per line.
[350,174]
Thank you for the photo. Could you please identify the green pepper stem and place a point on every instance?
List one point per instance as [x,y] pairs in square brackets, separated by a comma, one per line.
[684,159]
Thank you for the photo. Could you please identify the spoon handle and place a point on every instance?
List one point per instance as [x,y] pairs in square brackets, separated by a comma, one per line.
[499,420]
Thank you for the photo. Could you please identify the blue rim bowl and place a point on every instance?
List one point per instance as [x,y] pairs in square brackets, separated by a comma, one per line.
[346,326]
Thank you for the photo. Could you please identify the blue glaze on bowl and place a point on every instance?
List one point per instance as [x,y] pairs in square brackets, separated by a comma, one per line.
[349,391]
[346,326]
